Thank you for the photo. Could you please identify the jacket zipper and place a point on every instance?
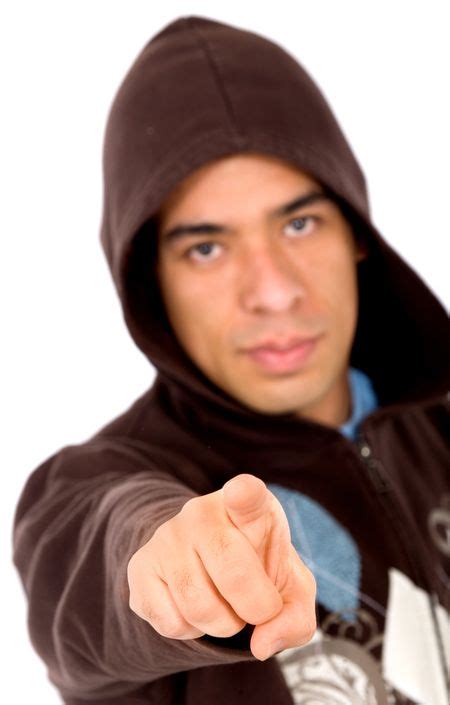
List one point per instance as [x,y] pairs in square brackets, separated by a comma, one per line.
[378,479]
[383,487]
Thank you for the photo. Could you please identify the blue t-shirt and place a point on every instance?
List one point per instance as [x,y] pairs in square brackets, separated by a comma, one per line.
[326,547]
[364,401]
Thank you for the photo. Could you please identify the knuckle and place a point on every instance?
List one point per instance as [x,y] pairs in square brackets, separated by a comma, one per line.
[143,608]
[235,574]
[194,508]
[174,629]
[195,501]
[199,613]
[183,583]
[198,605]
[168,624]
[189,506]
[219,543]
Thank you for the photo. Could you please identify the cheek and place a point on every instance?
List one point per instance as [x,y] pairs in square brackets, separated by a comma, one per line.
[334,281]
[197,309]
[343,297]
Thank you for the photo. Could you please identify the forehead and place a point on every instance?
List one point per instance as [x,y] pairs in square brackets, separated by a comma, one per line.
[229,177]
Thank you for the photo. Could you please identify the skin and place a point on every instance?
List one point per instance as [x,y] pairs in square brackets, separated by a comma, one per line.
[187,580]
[263,276]
[266,276]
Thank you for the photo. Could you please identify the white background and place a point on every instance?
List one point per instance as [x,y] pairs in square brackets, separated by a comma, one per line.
[68,362]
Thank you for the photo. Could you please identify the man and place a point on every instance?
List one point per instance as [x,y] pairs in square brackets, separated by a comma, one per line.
[296,352]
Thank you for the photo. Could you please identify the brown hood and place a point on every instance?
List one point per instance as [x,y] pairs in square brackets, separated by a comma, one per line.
[201,89]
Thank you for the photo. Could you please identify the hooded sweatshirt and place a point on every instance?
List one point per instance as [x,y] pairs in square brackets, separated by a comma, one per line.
[368,504]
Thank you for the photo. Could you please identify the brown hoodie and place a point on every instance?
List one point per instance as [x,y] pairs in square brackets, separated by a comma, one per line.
[198,90]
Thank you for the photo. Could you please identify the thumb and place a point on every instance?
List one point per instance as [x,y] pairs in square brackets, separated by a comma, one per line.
[247,504]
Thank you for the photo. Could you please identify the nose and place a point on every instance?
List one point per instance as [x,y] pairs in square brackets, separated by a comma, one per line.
[269,282]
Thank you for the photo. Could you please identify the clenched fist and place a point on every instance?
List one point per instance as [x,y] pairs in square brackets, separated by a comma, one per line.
[226,559]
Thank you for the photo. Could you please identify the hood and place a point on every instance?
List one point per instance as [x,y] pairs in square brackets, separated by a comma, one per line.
[201,89]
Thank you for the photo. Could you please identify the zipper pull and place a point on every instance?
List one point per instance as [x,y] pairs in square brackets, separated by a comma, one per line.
[373,466]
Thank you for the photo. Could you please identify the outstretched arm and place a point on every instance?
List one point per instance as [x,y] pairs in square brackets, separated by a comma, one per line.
[81,516]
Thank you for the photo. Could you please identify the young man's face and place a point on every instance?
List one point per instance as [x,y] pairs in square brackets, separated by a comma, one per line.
[241,293]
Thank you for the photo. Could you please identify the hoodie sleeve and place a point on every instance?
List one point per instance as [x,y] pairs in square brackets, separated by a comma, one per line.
[80,517]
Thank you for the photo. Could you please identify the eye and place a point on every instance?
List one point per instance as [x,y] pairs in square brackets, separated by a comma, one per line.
[202,251]
[303,224]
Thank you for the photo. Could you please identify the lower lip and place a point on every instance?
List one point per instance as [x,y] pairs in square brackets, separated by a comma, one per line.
[283,360]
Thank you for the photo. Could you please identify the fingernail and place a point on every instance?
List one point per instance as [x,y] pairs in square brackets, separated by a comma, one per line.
[276,646]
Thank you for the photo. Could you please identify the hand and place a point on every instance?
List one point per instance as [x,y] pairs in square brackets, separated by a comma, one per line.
[226,559]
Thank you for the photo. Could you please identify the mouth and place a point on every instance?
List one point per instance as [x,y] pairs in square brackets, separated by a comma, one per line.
[276,357]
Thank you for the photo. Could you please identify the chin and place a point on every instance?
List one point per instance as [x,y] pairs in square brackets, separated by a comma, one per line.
[272,406]
[271,396]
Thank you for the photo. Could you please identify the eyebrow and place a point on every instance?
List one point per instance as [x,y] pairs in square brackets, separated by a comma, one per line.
[186,229]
